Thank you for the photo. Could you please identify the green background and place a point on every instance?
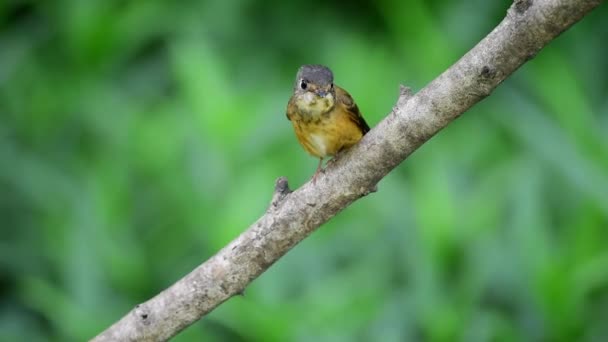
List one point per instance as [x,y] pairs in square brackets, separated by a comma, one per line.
[139,137]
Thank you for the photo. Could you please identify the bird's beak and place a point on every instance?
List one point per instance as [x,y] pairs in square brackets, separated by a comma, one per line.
[321,93]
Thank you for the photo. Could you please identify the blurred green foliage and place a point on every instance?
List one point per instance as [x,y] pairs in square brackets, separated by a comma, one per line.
[139,137]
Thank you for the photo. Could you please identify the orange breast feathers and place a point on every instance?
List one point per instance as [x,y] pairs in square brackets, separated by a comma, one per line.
[328,133]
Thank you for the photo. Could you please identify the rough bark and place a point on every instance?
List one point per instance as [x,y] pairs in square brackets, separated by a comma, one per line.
[291,216]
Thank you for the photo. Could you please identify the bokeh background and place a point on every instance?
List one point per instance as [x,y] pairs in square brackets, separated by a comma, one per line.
[139,137]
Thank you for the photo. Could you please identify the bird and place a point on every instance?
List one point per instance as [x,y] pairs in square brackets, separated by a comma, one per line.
[325,118]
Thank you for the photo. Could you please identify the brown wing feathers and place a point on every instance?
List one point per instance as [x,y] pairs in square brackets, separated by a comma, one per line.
[351,107]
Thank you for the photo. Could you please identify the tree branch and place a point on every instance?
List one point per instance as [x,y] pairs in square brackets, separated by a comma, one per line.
[291,216]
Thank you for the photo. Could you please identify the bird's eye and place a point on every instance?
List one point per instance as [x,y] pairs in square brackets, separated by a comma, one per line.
[332,86]
[303,85]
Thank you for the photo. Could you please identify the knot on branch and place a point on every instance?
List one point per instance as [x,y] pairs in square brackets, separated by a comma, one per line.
[281,190]
[487,72]
[520,6]
[486,79]
[143,316]
[369,190]
[405,94]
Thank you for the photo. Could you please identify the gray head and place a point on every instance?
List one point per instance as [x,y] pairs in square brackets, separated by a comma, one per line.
[314,78]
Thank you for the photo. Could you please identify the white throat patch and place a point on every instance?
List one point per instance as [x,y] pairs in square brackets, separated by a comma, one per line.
[312,105]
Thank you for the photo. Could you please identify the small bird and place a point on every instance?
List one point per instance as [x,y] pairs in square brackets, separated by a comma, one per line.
[325,117]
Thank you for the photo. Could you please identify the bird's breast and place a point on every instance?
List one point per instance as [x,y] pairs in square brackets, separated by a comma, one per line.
[326,135]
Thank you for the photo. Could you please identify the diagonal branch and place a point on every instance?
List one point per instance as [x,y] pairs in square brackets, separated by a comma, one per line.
[291,216]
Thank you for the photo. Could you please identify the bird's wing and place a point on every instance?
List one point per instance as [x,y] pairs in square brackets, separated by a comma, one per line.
[344,98]
[291,109]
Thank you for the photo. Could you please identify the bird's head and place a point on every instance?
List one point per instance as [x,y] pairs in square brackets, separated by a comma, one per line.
[314,89]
